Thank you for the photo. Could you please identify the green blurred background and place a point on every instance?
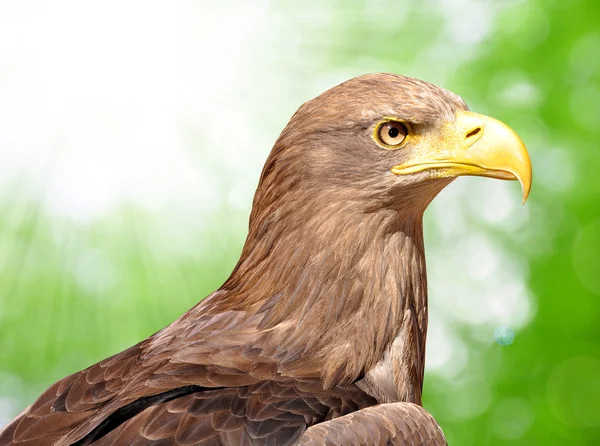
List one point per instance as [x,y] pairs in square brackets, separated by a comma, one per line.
[132,135]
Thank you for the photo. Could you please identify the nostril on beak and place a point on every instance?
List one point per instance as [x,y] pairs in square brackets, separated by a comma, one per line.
[473,132]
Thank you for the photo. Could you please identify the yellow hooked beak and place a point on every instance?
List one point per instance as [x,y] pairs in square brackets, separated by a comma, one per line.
[477,145]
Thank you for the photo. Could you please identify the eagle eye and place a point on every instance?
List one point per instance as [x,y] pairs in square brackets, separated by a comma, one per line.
[392,133]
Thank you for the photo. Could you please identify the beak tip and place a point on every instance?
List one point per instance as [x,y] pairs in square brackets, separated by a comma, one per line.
[523,173]
[526,187]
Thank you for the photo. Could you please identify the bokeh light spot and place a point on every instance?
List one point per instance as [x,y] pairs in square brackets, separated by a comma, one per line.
[555,170]
[573,392]
[582,65]
[521,94]
[512,418]
[468,400]
[585,106]
[504,336]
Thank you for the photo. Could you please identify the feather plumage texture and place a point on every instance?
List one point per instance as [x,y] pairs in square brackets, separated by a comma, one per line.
[402,424]
[324,316]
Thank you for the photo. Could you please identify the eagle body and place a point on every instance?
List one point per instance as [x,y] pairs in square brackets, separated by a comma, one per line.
[318,336]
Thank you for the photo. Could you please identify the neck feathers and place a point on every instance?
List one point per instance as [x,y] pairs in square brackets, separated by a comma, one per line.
[328,300]
[329,277]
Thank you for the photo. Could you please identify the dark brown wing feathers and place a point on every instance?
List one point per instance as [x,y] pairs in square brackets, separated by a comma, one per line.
[247,415]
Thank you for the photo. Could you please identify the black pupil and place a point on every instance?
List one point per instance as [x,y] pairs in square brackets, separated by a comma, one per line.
[393,132]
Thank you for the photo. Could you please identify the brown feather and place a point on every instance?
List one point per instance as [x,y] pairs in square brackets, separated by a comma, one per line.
[403,424]
[324,315]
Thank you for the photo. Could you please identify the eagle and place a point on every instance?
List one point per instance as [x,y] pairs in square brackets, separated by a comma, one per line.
[318,335]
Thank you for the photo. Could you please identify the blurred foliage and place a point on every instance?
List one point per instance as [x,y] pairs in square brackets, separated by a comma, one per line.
[555,364]
[56,316]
